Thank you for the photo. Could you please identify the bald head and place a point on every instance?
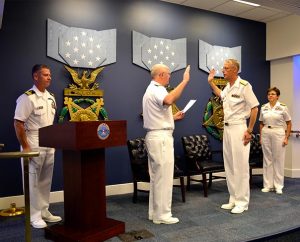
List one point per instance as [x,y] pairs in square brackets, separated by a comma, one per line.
[158,69]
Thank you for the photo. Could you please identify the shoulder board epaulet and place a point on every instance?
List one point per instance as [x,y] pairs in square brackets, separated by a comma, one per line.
[52,94]
[243,82]
[282,104]
[29,92]
[263,105]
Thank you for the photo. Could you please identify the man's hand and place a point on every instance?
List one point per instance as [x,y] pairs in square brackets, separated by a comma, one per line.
[186,74]
[213,86]
[179,115]
[285,142]
[211,75]
[247,137]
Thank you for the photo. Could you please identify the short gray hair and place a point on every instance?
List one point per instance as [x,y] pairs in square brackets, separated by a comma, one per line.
[234,63]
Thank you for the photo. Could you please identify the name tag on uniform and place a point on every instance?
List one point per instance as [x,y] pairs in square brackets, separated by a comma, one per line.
[235,96]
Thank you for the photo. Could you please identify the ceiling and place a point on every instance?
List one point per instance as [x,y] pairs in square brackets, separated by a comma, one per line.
[269,10]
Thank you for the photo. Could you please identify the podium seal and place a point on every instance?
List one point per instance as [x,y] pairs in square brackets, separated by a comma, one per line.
[103,131]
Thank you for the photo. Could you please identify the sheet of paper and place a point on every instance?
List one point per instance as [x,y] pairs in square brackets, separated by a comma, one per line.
[189,105]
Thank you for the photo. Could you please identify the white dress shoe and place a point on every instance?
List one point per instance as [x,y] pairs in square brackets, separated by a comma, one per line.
[266,189]
[48,217]
[171,220]
[239,209]
[228,206]
[279,191]
[38,224]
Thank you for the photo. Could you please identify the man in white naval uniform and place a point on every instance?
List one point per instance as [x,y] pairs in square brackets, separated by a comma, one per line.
[239,103]
[36,109]
[159,123]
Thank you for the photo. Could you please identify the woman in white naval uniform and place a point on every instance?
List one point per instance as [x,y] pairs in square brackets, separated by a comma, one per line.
[275,128]
[36,109]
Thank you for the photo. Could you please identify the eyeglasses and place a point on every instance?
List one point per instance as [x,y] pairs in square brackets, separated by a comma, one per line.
[226,68]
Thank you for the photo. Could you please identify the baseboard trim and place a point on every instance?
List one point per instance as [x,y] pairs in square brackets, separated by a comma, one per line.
[292,173]
[58,196]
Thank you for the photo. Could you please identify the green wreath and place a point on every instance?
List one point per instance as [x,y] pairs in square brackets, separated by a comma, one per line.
[213,118]
[207,114]
[65,110]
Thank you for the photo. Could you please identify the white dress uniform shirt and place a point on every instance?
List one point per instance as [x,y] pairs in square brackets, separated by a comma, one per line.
[276,116]
[157,116]
[36,110]
[238,101]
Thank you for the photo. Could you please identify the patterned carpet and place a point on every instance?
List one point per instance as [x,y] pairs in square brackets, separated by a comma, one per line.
[201,219]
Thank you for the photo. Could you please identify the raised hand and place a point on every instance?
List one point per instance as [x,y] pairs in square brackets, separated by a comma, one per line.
[211,75]
[186,74]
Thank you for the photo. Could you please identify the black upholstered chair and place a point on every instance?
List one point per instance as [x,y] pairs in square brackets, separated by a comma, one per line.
[139,166]
[199,159]
[256,154]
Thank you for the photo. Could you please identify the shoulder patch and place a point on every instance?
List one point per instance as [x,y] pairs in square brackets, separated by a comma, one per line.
[243,82]
[282,104]
[29,92]
[52,94]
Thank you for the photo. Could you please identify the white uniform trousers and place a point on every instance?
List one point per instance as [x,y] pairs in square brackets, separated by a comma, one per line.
[236,162]
[160,148]
[274,155]
[40,178]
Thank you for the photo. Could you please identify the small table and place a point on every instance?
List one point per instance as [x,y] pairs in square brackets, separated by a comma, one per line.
[26,157]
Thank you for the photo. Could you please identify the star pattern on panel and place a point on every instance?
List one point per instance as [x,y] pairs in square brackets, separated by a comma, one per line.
[159,51]
[216,57]
[148,51]
[213,57]
[78,47]
[81,48]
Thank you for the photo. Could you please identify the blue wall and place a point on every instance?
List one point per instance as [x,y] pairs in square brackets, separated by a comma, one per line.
[23,43]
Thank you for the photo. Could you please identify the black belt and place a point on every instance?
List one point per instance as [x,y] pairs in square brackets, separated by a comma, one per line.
[233,123]
[273,127]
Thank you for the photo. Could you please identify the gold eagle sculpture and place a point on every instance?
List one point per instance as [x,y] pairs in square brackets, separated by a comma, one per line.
[85,80]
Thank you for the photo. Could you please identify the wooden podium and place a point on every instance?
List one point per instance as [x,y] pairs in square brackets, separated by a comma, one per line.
[83,147]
